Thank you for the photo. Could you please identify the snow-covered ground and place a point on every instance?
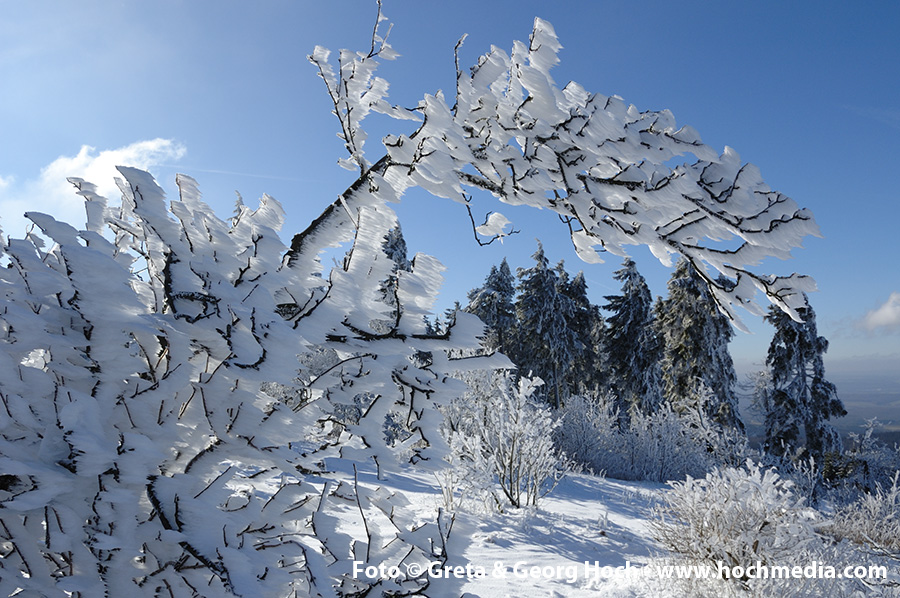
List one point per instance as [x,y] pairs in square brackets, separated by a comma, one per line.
[588,537]
[586,519]
[543,551]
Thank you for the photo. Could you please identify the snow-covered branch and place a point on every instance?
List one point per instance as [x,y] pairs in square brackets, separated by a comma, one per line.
[601,163]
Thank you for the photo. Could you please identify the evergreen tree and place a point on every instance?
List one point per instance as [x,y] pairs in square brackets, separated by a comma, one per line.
[633,349]
[493,303]
[695,346]
[587,375]
[394,246]
[544,342]
[798,398]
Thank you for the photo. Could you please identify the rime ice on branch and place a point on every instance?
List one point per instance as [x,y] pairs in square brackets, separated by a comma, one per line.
[594,160]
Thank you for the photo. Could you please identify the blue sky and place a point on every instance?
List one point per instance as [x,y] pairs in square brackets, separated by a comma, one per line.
[808,91]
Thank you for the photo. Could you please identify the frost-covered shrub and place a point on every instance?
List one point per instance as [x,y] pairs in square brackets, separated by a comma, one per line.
[826,561]
[736,516]
[841,478]
[661,446]
[872,461]
[588,432]
[518,437]
[156,436]
[502,444]
[467,481]
[873,520]
[801,469]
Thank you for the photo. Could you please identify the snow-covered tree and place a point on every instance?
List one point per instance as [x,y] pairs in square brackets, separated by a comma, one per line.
[551,330]
[394,247]
[587,374]
[544,344]
[695,337]
[600,164]
[633,349]
[493,304]
[798,401]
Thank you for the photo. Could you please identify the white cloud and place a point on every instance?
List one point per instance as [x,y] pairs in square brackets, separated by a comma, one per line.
[886,316]
[52,194]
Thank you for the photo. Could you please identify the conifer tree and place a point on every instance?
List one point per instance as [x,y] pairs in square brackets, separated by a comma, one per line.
[633,349]
[798,401]
[394,246]
[493,303]
[695,346]
[544,342]
[588,374]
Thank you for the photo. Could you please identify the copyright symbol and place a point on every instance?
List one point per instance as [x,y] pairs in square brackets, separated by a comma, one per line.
[415,569]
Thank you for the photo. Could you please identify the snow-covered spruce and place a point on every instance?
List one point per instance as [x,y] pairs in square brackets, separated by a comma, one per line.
[545,343]
[695,337]
[796,399]
[633,348]
[493,304]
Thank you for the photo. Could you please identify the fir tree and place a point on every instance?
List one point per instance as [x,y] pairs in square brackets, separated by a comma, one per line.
[394,247]
[544,342]
[633,349]
[587,375]
[798,398]
[695,346]
[493,303]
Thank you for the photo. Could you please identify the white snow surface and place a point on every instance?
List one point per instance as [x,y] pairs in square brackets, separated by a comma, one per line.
[577,542]
[586,518]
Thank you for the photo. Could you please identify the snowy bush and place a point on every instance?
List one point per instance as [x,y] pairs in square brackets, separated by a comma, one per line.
[518,436]
[467,481]
[873,520]
[737,517]
[828,561]
[156,378]
[873,462]
[588,432]
[661,446]
[502,445]
[840,478]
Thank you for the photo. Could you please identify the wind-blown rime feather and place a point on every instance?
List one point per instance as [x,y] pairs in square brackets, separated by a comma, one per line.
[602,165]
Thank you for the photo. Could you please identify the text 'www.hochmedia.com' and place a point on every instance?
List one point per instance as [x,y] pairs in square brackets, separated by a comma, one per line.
[594,572]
